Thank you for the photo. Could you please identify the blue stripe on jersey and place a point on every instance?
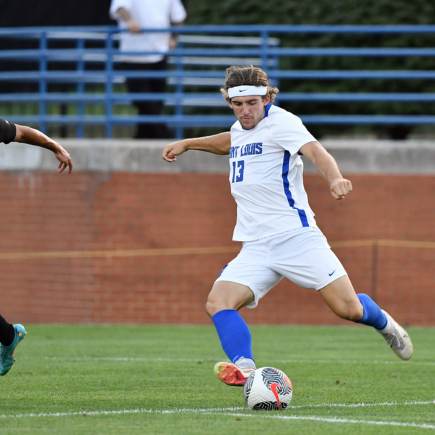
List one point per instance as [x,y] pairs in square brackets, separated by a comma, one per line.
[288,194]
[222,271]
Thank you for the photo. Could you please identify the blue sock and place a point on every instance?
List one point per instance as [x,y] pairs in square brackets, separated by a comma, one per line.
[234,334]
[373,315]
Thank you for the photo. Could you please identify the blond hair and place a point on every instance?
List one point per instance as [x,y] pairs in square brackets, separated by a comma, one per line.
[247,75]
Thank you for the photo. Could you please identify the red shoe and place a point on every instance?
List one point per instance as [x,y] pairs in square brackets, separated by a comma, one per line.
[231,374]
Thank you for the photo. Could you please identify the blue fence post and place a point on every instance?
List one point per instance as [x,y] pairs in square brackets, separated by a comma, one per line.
[109,84]
[275,67]
[179,91]
[80,89]
[43,82]
[264,50]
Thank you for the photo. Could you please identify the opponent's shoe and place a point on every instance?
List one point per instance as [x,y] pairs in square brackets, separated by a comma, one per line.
[231,374]
[398,339]
[7,352]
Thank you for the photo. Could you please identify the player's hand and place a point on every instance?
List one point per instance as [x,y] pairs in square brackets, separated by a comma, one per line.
[174,149]
[340,187]
[64,159]
[133,26]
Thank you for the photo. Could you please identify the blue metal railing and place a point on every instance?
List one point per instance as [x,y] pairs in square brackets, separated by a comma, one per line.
[219,47]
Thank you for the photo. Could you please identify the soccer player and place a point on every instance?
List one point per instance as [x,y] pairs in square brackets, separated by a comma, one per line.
[275,222]
[11,335]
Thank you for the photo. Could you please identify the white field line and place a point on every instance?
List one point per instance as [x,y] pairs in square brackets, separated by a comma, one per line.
[324,361]
[361,405]
[123,411]
[335,420]
[226,411]
[282,361]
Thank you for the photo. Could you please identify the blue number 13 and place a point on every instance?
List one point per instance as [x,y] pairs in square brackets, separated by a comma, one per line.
[241,168]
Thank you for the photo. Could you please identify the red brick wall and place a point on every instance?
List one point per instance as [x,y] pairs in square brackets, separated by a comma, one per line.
[91,211]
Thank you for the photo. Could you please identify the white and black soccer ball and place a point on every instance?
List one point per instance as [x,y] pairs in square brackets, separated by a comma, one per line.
[268,389]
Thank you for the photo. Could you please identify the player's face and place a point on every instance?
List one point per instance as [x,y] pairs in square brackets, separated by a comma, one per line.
[249,110]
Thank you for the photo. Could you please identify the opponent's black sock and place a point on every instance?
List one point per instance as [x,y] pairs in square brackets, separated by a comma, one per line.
[7,332]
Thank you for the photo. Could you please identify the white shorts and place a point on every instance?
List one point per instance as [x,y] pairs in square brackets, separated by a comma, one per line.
[303,256]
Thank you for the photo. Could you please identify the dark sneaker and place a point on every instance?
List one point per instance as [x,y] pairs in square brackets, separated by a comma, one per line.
[7,352]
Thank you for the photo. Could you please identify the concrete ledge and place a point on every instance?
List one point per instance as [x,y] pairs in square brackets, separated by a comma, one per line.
[353,156]
[381,156]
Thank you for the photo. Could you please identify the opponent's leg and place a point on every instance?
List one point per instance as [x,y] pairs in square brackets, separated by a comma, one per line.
[6,332]
[223,302]
[10,336]
[341,298]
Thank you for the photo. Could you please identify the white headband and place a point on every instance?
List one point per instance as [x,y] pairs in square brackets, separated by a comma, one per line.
[243,91]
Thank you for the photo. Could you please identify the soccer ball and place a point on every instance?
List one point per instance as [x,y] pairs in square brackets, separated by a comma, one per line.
[269,389]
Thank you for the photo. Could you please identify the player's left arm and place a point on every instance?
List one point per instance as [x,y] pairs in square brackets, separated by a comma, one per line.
[32,136]
[327,166]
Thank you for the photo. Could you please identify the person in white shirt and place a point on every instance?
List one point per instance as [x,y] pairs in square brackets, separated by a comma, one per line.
[275,222]
[133,16]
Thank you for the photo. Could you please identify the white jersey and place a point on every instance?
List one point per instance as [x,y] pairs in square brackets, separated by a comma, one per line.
[266,176]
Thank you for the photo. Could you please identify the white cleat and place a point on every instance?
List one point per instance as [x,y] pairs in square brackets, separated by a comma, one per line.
[398,339]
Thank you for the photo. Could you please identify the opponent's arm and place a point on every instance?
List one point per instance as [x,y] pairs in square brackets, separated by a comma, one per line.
[328,168]
[216,144]
[32,136]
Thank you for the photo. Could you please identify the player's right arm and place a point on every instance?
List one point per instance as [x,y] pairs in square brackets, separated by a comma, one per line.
[10,132]
[216,144]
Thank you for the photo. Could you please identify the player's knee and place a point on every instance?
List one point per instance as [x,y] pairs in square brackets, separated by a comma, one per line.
[213,305]
[352,312]
[209,308]
[216,302]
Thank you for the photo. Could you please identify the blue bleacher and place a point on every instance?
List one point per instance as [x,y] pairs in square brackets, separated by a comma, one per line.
[197,70]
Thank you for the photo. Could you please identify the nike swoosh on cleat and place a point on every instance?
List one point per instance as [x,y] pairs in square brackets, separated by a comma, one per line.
[330,274]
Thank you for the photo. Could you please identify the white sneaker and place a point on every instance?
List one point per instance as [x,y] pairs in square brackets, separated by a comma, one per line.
[397,338]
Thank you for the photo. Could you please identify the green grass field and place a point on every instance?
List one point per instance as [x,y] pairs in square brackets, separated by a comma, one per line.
[160,380]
